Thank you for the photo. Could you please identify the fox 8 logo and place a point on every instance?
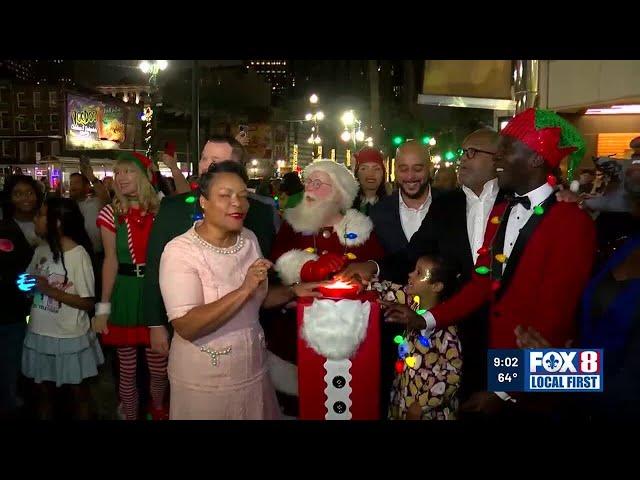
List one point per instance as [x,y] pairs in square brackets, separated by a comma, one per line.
[567,361]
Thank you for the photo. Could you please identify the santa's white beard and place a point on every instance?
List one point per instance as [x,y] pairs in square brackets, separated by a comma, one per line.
[336,329]
[309,217]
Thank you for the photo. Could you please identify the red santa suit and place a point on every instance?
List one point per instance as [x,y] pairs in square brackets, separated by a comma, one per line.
[301,256]
[352,237]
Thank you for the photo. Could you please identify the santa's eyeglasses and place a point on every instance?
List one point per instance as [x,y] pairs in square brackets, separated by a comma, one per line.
[314,184]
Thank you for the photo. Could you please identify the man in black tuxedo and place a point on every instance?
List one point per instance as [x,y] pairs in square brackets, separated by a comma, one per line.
[453,229]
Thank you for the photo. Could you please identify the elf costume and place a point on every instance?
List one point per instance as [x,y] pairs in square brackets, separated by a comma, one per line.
[126,329]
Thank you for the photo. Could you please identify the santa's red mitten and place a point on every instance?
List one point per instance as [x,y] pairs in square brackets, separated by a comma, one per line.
[318,270]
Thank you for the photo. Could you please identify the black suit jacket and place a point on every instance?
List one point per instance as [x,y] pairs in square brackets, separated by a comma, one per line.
[443,232]
[386,219]
[385,216]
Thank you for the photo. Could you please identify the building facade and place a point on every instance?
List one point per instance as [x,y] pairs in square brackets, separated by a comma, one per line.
[31,122]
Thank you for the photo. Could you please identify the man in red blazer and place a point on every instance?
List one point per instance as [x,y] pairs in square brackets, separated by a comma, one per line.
[537,254]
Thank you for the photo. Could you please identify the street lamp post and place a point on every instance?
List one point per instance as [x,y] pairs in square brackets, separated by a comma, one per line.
[315,117]
[353,131]
[151,68]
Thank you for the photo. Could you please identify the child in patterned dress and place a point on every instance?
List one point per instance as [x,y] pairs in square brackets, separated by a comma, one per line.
[428,369]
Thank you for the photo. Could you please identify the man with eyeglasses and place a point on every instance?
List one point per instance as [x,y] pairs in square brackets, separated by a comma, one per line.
[453,228]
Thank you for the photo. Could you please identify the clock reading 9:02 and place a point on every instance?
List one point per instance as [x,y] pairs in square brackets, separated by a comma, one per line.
[506,362]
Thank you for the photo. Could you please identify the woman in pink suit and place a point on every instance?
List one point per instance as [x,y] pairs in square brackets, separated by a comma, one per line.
[214,281]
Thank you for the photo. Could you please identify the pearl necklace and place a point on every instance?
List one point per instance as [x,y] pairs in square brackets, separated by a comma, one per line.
[223,251]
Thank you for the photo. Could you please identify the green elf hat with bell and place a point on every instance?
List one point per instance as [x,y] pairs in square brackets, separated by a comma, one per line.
[143,163]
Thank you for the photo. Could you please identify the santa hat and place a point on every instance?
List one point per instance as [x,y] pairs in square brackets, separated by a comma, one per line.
[549,135]
[140,161]
[343,180]
[369,155]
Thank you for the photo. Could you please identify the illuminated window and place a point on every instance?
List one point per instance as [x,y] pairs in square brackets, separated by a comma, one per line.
[614,144]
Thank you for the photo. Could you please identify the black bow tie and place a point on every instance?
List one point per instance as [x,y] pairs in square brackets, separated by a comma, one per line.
[524,201]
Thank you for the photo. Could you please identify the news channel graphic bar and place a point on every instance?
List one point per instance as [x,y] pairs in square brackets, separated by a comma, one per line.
[545,370]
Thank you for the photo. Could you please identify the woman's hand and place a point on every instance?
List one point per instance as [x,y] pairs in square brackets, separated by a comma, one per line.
[159,339]
[43,285]
[396,313]
[87,171]
[170,161]
[99,324]
[307,289]
[256,275]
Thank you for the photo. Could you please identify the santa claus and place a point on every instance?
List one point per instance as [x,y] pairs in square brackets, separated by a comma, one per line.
[317,239]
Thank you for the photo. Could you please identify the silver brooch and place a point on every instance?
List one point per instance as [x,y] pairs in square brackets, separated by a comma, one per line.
[214,354]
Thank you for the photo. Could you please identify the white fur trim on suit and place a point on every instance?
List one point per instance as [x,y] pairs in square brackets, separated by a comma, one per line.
[290,264]
[335,329]
[284,375]
[354,222]
[342,178]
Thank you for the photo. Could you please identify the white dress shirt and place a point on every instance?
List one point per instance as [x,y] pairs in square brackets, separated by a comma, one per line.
[412,218]
[519,217]
[478,210]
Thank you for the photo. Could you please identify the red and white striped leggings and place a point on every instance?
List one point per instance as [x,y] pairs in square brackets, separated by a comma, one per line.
[127,389]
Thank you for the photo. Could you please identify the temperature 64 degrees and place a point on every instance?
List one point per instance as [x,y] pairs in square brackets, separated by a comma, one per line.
[507,377]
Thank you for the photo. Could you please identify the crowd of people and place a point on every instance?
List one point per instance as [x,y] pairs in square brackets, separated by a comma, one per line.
[197,283]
